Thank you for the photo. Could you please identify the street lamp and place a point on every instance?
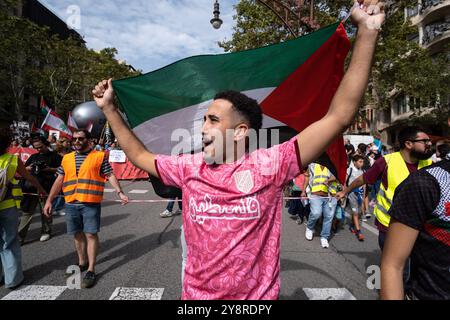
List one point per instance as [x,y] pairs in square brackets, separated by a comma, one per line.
[216,21]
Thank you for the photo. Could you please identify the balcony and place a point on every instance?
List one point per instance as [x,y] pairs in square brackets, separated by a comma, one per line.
[429,11]
[437,32]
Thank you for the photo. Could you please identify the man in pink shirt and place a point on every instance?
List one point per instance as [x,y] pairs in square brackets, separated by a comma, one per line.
[232,199]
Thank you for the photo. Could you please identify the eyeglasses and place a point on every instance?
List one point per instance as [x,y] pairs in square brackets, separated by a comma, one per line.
[79,138]
[425,141]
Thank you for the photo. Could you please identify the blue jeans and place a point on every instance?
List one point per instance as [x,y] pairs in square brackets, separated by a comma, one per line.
[10,251]
[319,207]
[171,204]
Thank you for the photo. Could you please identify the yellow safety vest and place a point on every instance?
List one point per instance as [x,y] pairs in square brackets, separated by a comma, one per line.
[319,178]
[15,194]
[397,171]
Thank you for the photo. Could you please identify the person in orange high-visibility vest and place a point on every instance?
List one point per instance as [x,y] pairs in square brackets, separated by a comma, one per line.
[82,178]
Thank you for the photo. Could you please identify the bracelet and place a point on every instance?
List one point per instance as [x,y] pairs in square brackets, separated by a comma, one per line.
[119,192]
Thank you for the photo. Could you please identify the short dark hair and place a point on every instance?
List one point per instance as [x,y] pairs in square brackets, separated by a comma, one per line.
[40,139]
[246,106]
[87,134]
[408,134]
[443,149]
[362,147]
[357,157]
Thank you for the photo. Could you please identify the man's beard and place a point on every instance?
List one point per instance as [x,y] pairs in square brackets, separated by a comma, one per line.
[422,155]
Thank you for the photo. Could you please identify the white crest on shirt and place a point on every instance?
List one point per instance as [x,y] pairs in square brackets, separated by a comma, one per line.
[244,181]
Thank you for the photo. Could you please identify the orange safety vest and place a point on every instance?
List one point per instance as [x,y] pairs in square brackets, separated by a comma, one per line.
[89,185]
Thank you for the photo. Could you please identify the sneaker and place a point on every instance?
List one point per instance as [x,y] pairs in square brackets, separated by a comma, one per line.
[368,215]
[364,219]
[88,280]
[166,214]
[360,236]
[352,229]
[82,269]
[309,234]
[324,243]
[45,237]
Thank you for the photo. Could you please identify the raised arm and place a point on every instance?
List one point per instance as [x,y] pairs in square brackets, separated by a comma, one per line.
[315,139]
[130,144]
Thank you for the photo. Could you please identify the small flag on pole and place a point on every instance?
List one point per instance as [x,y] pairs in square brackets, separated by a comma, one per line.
[54,122]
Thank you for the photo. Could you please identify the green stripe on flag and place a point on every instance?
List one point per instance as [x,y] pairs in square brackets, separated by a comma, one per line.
[197,79]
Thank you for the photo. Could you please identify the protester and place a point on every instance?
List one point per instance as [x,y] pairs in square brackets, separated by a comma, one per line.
[355,197]
[169,209]
[63,147]
[419,229]
[392,169]
[298,208]
[82,178]
[11,195]
[217,182]
[323,186]
[43,166]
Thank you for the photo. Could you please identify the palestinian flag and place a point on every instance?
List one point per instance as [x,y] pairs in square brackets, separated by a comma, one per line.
[44,108]
[294,82]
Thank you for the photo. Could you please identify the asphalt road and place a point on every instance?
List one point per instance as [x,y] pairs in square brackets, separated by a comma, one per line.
[142,251]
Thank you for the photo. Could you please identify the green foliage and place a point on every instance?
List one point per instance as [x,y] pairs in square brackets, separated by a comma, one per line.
[399,63]
[35,62]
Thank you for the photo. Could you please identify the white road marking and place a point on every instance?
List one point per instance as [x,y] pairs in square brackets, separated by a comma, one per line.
[36,293]
[138,191]
[328,294]
[109,190]
[137,294]
[365,225]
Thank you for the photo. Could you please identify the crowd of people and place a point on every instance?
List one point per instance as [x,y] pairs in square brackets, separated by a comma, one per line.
[36,191]
[232,232]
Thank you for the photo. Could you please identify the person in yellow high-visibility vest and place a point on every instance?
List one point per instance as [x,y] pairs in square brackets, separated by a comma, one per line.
[392,169]
[10,252]
[322,184]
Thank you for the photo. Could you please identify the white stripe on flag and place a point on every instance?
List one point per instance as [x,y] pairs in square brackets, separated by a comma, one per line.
[156,133]
[137,294]
[36,293]
[328,294]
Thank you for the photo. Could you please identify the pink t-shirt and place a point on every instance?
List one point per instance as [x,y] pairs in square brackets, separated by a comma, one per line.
[232,221]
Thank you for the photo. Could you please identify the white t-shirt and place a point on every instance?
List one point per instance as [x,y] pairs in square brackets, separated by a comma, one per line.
[354,173]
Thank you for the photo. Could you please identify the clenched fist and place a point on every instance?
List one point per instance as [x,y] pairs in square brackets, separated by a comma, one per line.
[368,14]
[104,95]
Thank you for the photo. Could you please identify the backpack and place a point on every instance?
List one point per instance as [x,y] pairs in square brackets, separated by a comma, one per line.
[4,182]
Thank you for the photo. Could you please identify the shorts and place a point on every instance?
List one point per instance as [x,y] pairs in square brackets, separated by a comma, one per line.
[353,204]
[83,218]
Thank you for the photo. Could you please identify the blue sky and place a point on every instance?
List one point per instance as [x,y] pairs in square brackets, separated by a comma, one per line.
[149,34]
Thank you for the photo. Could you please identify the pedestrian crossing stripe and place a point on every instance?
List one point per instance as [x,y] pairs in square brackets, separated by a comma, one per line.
[137,294]
[138,191]
[328,294]
[36,293]
[122,293]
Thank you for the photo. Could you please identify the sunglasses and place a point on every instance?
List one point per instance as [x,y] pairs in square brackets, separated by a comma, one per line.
[425,141]
[79,139]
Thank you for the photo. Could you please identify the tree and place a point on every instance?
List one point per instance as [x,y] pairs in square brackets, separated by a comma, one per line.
[257,25]
[37,63]
[400,65]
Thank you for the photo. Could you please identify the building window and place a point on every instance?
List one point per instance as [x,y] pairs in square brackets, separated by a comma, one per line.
[400,105]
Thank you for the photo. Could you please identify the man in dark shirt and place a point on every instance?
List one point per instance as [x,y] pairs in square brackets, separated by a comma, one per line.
[420,228]
[43,166]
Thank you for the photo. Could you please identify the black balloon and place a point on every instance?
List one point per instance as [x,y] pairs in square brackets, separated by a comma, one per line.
[87,113]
